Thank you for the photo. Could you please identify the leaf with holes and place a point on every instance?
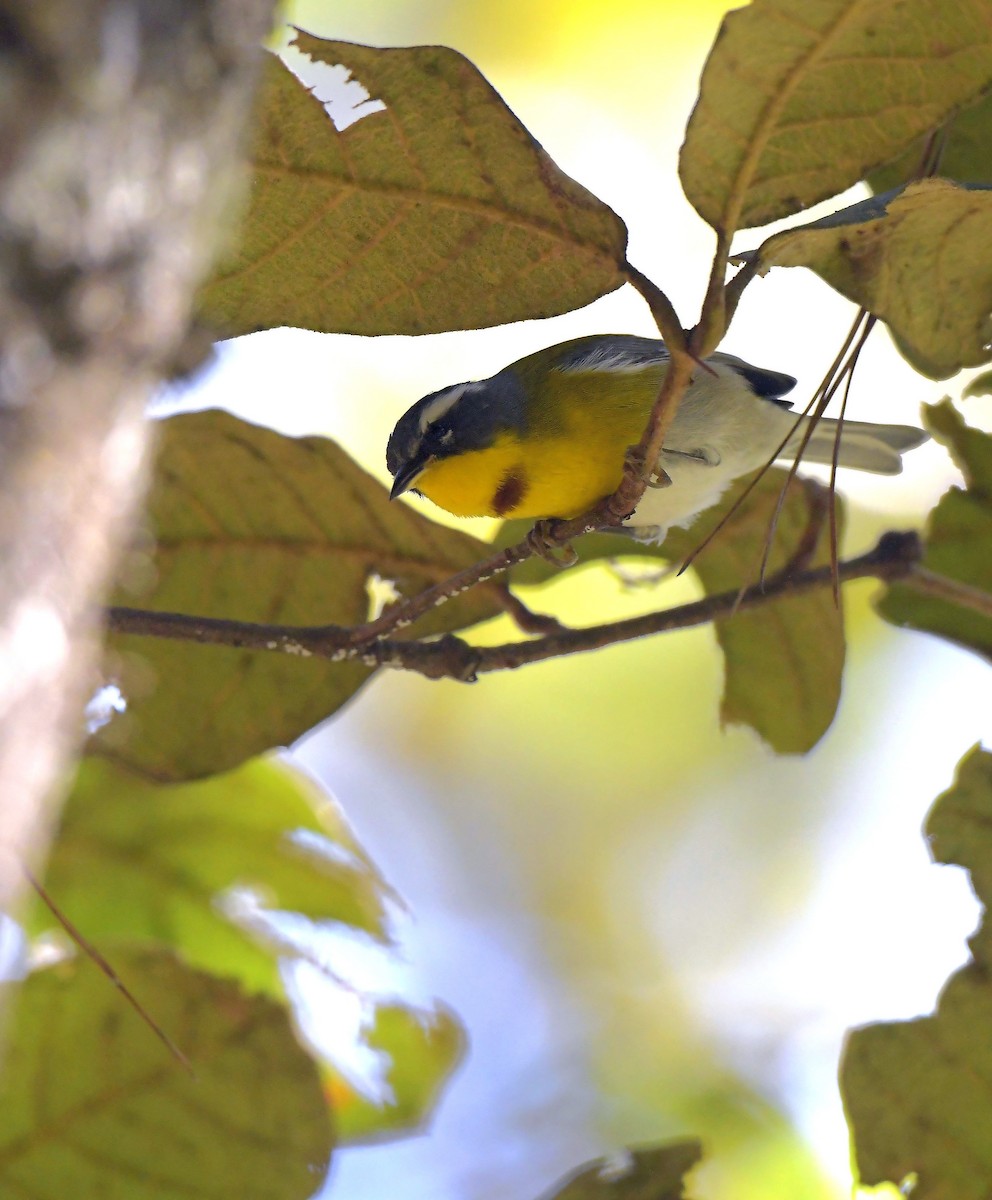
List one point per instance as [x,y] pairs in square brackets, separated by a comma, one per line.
[436,210]
[917,259]
[918,1094]
[640,1173]
[957,542]
[255,526]
[144,862]
[799,100]
[94,1106]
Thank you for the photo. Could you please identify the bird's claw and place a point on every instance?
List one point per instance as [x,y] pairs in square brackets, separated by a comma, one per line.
[634,465]
[543,541]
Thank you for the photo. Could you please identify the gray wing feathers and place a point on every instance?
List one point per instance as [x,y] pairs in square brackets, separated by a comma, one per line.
[625,352]
[612,352]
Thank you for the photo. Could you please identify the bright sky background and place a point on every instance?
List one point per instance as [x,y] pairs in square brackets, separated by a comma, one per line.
[780,901]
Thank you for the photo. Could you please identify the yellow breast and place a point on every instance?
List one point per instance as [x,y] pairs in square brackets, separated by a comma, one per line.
[547,474]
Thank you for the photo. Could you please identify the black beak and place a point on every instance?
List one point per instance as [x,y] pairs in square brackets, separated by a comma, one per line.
[407,474]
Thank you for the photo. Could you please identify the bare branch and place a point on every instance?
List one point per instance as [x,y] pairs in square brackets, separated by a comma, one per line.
[894,557]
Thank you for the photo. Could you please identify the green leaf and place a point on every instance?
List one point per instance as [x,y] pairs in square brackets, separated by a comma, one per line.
[643,1173]
[918,259]
[970,448]
[981,385]
[958,541]
[919,1093]
[148,863]
[965,154]
[440,212]
[93,1105]
[799,99]
[784,661]
[422,1049]
[254,526]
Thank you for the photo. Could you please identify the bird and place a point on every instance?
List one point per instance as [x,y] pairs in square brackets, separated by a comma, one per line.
[547,436]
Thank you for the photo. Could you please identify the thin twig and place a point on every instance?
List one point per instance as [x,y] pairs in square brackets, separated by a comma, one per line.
[893,557]
[940,587]
[526,619]
[96,957]
[404,612]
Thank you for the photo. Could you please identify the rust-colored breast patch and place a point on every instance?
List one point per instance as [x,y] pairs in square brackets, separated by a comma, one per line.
[511,491]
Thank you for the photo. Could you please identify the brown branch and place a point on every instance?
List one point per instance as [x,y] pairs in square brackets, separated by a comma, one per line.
[403,613]
[940,587]
[894,557]
[525,618]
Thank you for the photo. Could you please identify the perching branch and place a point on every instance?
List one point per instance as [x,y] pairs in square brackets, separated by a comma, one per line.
[895,557]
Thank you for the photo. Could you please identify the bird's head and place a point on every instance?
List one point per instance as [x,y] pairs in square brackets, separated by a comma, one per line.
[456,445]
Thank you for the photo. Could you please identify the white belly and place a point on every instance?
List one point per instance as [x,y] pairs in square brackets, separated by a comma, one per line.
[721,432]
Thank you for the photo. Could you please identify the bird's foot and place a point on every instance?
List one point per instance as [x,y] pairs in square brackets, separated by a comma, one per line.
[543,541]
[634,466]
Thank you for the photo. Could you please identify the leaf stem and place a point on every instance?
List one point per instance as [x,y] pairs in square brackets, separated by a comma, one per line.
[662,309]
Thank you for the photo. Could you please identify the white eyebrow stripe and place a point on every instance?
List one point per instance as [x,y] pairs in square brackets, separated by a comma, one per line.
[444,402]
[441,404]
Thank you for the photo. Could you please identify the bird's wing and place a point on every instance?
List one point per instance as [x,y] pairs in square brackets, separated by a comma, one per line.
[770,384]
[611,352]
[625,352]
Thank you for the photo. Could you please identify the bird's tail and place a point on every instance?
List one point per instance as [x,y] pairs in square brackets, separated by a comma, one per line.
[863,446]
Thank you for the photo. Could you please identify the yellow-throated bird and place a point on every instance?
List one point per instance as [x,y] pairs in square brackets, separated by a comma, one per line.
[547,435]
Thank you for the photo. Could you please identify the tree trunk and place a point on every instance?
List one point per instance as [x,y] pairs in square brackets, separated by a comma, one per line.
[120,128]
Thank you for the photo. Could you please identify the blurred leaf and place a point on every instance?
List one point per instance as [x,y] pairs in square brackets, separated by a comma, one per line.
[645,1173]
[784,660]
[440,212]
[971,449]
[423,1049]
[966,154]
[958,540]
[919,1093]
[959,830]
[918,259]
[798,101]
[93,1105]
[981,385]
[147,863]
[255,526]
